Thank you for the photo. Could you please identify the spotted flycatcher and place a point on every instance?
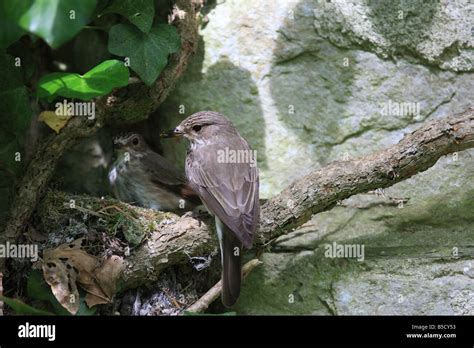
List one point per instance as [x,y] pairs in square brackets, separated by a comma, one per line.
[221,169]
[143,177]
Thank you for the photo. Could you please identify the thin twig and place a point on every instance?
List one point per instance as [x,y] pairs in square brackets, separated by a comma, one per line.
[205,301]
[86,211]
[113,206]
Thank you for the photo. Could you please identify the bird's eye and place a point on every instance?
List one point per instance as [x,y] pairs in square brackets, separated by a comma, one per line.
[197,128]
[135,141]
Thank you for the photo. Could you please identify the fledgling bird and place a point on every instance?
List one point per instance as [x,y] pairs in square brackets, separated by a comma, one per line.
[228,187]
[141,176]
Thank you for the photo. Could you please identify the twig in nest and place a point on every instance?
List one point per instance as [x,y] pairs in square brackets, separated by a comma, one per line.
[86,211]
[212,294]
[130,217]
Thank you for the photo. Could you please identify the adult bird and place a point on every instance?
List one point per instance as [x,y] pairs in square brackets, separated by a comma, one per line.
[221,169]
[143,177]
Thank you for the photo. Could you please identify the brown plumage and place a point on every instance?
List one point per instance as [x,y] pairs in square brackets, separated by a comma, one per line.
[145,178]
[229,189]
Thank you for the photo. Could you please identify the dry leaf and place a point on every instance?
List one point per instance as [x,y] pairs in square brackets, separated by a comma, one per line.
[54,121]
[103,289]
[78,257]
[69,264]
[61,276]
[108,274]
[95,296]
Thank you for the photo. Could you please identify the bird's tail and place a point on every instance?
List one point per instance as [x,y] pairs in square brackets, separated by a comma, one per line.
[231,249]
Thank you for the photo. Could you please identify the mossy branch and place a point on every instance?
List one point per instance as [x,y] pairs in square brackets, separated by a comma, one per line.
[173,239]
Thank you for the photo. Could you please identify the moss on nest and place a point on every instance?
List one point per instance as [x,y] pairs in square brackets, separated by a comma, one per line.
[111,226]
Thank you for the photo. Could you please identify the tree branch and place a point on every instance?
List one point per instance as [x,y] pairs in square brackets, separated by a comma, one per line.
[138,103]
[174,240]
[322,189]
[319,191]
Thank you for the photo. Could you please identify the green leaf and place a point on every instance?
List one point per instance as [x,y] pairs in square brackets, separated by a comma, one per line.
[147,53]
[55,21]
[96,82]
[139,12]
[9,30]
[84,310]
[38,289]
[22,308]
[90,49]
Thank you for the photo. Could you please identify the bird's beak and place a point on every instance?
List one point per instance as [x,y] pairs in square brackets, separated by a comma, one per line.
[172,133]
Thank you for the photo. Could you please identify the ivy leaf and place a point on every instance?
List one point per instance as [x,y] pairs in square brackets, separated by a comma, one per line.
[96,82]
[147,53]
[55,21]
[89,50]
[37,289]
[22,308]
[9,30]
[139,12]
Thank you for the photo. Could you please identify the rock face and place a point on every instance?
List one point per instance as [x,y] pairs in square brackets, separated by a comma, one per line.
[308,82]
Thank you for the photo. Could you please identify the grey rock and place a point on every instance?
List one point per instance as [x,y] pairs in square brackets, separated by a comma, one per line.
[308,82]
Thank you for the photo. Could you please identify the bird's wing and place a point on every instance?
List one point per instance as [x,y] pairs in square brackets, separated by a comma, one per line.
[161,170]
[163,173]
[229,190]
